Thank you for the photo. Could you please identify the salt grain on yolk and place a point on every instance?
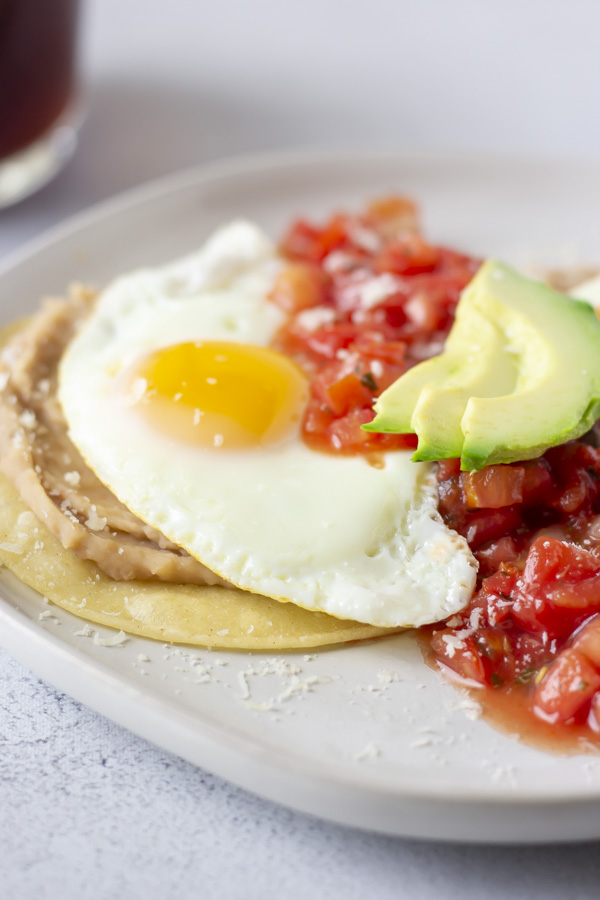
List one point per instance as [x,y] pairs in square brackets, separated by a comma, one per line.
[220,394]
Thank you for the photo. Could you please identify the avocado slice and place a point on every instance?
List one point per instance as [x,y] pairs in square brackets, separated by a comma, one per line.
[486,370]
[468,355]
[520,373]
[557,395]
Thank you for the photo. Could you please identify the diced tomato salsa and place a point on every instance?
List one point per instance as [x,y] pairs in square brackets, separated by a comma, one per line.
[534,623]
[366,298]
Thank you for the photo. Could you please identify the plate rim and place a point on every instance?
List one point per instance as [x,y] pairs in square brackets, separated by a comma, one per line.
[364,803]
[235,164]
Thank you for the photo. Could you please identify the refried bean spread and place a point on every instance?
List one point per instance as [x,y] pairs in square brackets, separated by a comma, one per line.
[52,478]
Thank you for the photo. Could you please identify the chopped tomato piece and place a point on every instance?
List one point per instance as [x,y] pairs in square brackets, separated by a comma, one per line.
[496,594]
[551,595]
[483,526]
[317,418]
[576,468]
[460,654]
[299,286]
[346,393]
[392,313]
[579,595]
[334,235]
[302,242]
[493,487]
[504,550]
[408,255]
[447,468]
[393,215]
[551,560]
[328,340]
[457,264]
[450,503]
[567,688]
[537,481]
[425,311]
[588,640]
[386,352]
[345,434]
[594,713]
[346,431]
[573,495]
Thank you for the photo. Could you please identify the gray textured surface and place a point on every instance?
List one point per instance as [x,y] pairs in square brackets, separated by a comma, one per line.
[90,811]
[86,809]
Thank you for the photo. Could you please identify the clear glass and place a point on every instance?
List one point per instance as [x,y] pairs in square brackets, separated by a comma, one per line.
[39,108]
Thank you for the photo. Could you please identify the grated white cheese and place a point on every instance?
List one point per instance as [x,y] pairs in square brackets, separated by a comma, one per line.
[311,319]
[378,289]
[453,643]
[338,261]
[94,521]
[268,706]
[243,683]
[9,547]
[369,751]
[470,707]
[422,742]
[26,519]
[365,238]
[27,419]
[116,640]
[86,631]
[301,686]
[388,676]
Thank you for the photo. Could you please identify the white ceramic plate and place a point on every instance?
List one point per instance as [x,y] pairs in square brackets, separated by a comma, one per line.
[364,735]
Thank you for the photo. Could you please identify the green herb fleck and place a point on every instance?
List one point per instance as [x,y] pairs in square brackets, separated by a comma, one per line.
[482,646]
[369,382]
[495,680]
[525,676]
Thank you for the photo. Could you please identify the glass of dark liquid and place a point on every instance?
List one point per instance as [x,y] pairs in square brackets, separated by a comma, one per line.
[39,107]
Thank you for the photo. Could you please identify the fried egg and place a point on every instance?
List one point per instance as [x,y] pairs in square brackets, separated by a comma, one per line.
[177,401]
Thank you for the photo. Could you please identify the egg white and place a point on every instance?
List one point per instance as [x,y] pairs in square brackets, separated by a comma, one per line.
[588,290]
[329,533]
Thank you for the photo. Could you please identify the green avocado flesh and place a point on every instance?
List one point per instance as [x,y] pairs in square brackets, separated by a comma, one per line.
[485,370]
[520,373]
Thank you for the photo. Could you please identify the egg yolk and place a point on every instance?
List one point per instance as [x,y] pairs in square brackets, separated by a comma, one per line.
[217,394]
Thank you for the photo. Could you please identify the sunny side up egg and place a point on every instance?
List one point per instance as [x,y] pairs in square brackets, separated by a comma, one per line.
[176,400]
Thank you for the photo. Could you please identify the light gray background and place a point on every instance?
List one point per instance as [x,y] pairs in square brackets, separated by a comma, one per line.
[86,809]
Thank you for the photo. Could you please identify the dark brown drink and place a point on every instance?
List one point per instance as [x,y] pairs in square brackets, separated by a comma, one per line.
[37,68]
